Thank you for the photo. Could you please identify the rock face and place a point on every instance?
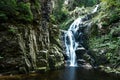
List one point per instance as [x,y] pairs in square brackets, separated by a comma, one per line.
[30,46]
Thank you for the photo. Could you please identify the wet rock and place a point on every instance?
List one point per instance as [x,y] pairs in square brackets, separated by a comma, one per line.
[66,57]
[52,61]
[41,69]
[42,63]
[43,54]
[22,70]
[87,66]
[55,58]
[81,61]
[79,52]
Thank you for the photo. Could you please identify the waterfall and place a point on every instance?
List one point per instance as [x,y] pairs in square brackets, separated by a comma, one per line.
[70,41]
[74,38]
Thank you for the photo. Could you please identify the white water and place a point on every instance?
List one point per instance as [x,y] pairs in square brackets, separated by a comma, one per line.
[71,42]
[96,8]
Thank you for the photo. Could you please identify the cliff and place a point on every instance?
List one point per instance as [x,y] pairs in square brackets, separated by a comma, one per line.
[29,41]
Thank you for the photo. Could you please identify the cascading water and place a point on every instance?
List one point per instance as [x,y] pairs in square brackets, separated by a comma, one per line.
[96,8]
[73,38]
[70,41]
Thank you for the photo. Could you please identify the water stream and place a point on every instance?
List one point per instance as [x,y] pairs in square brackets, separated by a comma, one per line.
[74,37]
[70,41]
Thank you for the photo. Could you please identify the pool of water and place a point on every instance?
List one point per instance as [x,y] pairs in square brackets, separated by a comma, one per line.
[69,73]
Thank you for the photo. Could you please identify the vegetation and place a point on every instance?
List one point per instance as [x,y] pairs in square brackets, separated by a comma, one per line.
[86,2]
[108,46]
[105,38]
[61,13]
[13,10]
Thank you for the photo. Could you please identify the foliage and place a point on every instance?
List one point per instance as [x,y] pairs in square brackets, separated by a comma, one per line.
[8,8]
[112,3]
[24,11]
[3,17]
[59,13]
[106,46]
[85,2]
[53,19]
[13,10]
[60,16]
[112,8]
[12,30]
[65,25]
[109,43]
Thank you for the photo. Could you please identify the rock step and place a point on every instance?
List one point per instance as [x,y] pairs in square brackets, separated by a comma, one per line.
[80,50]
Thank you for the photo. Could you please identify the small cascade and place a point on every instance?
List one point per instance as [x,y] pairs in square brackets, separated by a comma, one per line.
[74,38]
[96,8]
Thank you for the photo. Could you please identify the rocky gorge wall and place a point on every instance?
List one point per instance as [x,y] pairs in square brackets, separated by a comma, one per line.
[30,45]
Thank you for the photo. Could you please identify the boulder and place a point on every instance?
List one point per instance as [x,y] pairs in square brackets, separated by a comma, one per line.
[52,61]
[42,63]
[79,52]
[43,54]
[81,61]
[87,66]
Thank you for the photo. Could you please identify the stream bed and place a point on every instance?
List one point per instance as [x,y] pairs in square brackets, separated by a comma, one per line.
[69,73]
